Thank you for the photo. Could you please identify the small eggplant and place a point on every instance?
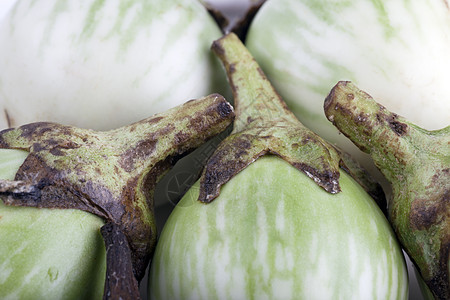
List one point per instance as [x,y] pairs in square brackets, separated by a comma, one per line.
[80,179]
[417,164]
[103,64]
[274,215]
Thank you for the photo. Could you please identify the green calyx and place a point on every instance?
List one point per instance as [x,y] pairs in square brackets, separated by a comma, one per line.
[264,125]
[417,163]
[111,174]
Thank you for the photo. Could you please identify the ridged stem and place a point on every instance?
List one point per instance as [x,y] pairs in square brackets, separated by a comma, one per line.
[255,100]
[111,174]
[264,125]
[417,163]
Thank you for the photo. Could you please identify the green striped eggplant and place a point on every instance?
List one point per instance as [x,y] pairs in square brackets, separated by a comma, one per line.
[76,212]
[274,234]
[273,215]
[417,164]
[103,64]
[45,253]
[396,49]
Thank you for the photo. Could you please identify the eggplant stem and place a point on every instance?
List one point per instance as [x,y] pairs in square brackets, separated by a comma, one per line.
[111,174]
[120,282]
[417,164]
[263,125]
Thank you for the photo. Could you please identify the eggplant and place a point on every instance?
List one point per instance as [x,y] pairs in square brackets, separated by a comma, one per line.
[74,182]
[276,213]
[416,162]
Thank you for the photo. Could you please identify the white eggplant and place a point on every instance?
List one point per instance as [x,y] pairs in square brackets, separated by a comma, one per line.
[103,64]
[396,49]
[67,185]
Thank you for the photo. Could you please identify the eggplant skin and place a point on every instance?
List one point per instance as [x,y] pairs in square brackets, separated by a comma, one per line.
[50,254]
[275,234]
[107,63]
[47,253]
[305,47]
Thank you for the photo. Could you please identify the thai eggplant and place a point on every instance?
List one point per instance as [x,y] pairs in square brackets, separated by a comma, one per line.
[109,176]
[396,49]
[104,64]
[274,215]
[417,164]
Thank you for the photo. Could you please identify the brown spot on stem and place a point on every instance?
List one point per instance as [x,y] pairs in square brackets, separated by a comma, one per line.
[181,137]
[56,152]
[138,234]
[398,127]
[35,129]
[231,68]
[361,118]
[438,283]
[429,211]
[155,120]
[261,73]
[4,143]
[329,101]
[224,109]
[328,180]
[379,118]
[226,162]
[306,139]
[350,97]
[218,48]
[426,212]
[37,147]
[141,151]
[216,175]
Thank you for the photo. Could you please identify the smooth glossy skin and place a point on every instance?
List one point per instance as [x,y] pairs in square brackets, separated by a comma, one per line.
[45,253]
[104,64]
[274,234]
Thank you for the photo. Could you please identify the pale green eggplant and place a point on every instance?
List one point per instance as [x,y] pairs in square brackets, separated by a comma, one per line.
[45,253]
[104,64]
[396,49]
[80,185]
[275,215]
[417,164]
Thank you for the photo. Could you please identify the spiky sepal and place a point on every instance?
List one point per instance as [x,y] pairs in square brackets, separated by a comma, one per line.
[264,125]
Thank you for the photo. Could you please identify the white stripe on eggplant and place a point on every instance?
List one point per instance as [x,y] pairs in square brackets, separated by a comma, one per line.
[326,246]
[155,54]
[305,47]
